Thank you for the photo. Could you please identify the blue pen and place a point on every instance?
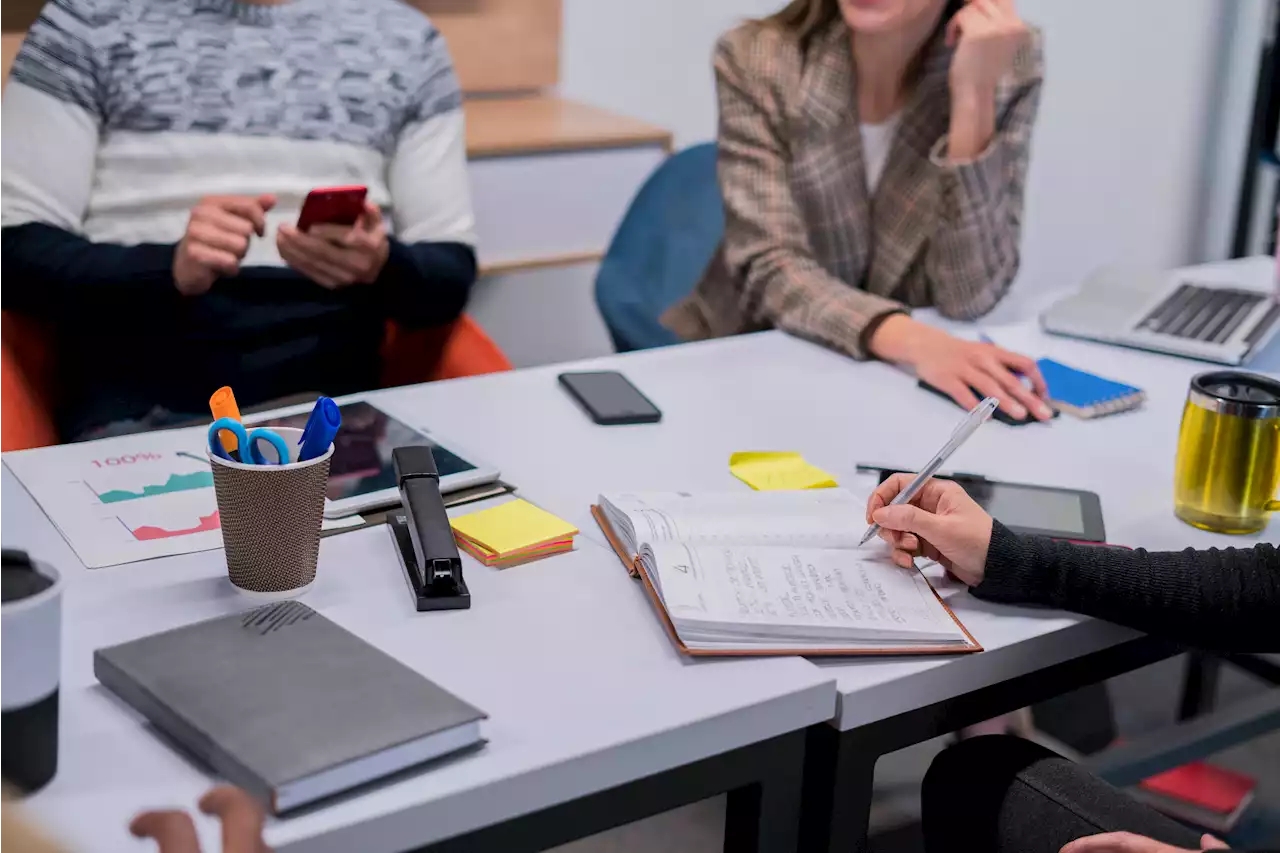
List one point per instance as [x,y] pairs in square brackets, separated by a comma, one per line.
[321,427]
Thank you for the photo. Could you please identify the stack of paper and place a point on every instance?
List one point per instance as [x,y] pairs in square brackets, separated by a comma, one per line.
[512,533]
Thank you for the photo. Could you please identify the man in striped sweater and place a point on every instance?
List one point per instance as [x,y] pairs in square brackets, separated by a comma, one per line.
[156,157]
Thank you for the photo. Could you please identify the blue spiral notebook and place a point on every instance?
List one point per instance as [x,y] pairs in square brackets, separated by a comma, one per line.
[1086,395]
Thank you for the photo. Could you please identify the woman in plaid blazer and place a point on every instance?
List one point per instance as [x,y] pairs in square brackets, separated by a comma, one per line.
[873,158]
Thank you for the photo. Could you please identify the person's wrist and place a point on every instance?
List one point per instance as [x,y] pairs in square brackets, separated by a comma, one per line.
[186,276]
[382,256]
[894,339]
[969,94]
[972,119]
[983,548]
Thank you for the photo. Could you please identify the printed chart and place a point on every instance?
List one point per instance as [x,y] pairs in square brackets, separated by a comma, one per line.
[126,499]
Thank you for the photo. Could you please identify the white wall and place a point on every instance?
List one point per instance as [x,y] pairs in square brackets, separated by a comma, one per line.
[650,59]
[542,316]
[1122,138]
[1126,129]
[1246,27]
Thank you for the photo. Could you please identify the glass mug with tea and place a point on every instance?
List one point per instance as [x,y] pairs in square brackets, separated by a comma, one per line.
[1227,472]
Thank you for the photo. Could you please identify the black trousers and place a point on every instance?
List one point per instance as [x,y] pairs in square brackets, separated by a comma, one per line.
[1002,794]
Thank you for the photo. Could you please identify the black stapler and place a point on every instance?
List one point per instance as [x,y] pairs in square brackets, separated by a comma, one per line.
[423,537]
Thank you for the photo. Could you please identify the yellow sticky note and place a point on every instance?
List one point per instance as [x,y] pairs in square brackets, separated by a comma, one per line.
[511,526]
[771,472]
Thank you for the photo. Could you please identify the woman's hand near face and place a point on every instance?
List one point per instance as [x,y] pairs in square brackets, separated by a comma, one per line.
[954,366]
[986,35]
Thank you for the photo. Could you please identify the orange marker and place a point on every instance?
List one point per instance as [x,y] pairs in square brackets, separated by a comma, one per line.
[223,405]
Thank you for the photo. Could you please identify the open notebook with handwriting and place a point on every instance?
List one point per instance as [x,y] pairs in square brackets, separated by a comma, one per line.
[775,573]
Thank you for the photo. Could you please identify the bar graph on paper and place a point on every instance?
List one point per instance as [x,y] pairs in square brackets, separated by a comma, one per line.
[126,499]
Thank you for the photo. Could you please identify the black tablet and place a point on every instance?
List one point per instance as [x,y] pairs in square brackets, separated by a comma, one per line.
[1038,510]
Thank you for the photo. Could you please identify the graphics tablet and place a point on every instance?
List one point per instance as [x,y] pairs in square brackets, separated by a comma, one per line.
[361,476]
[1069,514]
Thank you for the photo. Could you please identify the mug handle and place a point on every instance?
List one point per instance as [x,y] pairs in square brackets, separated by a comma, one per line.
[1271,506]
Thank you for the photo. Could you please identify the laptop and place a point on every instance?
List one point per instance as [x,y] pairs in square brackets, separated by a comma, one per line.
[1221,312]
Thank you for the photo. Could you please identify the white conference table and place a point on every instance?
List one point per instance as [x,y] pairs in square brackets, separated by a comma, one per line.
[584,689]
[770,391]
[584,692]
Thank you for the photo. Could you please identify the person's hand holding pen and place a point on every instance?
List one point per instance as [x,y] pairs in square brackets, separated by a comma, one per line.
[941,522]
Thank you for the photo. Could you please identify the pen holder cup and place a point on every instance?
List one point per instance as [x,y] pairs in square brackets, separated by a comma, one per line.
[271,517]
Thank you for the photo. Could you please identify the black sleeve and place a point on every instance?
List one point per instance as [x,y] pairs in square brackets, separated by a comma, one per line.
[54,274]
[427,284]
[1227,599]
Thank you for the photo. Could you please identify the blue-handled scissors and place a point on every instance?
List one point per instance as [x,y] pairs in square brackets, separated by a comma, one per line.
[250,454]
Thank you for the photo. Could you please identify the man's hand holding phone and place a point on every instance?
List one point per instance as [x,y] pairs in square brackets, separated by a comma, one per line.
[217,238]
[335,256]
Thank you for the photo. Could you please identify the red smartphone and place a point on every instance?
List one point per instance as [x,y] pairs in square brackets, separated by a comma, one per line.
[332,206]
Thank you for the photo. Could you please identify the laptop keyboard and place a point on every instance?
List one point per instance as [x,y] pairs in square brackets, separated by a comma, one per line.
[1196,313]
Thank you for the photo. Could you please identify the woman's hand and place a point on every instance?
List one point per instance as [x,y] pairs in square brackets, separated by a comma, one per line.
[986,35]
[954,367]
[941,523]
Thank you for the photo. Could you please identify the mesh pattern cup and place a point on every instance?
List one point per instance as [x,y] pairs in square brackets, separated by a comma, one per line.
[271,517]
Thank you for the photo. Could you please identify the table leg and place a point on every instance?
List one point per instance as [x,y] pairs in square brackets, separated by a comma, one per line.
[839,772]
[1199,685]
[764,817]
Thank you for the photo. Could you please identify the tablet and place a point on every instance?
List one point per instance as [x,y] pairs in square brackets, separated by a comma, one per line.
[361,476]
[1037,510]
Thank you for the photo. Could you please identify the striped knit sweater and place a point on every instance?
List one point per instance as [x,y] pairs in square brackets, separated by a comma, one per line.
[120,115]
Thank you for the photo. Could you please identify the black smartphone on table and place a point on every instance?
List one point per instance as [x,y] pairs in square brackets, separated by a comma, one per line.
[609,398]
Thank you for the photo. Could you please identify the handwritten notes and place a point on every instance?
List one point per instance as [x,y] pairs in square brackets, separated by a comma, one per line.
[783,471]
[796,594]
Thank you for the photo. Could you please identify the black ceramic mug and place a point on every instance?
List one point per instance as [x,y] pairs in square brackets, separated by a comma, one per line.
[30,665]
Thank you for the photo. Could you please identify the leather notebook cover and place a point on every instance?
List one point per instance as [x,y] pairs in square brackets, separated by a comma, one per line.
[280,694]
[634,568]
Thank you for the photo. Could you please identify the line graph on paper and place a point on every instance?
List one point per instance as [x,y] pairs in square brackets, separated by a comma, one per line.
[147,475]
[126,499]
[149,531]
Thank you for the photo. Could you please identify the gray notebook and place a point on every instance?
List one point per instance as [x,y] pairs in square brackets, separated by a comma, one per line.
[286,704]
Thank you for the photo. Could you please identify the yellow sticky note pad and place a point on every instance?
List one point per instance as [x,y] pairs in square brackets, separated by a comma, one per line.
[772,472]
[511,526]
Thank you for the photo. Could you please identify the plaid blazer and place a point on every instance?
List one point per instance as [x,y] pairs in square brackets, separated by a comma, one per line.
[806,248]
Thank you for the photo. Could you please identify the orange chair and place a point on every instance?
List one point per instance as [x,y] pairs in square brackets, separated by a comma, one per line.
[26,378]
[26,402]
[449,352]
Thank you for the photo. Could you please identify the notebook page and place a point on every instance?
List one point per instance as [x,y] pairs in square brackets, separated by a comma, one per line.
[822,518]
[755,594]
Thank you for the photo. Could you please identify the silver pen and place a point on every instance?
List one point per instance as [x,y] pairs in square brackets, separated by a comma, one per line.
[976,418]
